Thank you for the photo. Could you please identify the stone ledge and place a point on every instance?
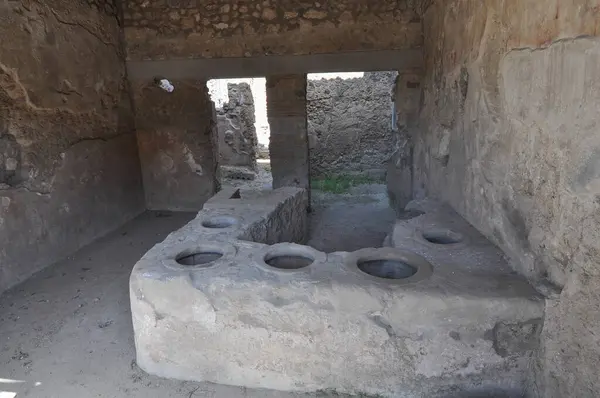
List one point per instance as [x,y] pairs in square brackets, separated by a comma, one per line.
[218,68]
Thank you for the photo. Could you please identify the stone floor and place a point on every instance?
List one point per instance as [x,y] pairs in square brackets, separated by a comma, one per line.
[66,332]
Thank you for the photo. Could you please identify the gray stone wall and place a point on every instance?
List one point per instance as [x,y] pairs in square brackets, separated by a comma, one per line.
[69,168]
[509,136]
[350,123]
[237,137]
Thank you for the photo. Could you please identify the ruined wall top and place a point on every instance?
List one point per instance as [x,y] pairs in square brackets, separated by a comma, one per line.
[162,29]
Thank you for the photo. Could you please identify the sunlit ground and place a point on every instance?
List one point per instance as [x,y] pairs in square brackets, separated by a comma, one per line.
[9,387]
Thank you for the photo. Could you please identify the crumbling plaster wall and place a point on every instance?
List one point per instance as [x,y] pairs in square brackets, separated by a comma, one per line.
[161,29]
[350,123]
[510,136]
[288,146]
[177,144]
[69,169]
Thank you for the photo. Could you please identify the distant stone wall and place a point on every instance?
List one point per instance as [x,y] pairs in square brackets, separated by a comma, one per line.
[237,138]
[157,29]
[350,124]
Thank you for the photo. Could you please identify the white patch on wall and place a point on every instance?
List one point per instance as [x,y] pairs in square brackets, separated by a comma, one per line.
[191,162]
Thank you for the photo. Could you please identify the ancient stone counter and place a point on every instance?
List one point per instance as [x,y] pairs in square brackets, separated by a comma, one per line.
[221,300]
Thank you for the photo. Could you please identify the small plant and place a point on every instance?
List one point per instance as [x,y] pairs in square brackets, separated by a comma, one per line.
[266,166]
[340,183]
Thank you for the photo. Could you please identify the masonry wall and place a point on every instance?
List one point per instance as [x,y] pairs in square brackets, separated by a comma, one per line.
[350,124]
[509,135]
[237,139]
[176,135]
[161,29]
[69,169]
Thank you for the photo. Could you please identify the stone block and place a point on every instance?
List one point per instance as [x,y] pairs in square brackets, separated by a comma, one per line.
[222,300]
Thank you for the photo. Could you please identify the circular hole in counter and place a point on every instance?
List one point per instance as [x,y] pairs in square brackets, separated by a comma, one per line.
[200,258]
[220,222]
[390,265]
[442,236]
[290,258]
[387,269]
[288,261]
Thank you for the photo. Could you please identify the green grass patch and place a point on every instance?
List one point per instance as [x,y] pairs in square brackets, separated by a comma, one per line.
[340,183]
[265,166]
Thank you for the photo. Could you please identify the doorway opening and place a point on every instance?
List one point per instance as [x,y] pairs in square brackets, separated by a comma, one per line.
[242,132]
[351,123]
[350,120]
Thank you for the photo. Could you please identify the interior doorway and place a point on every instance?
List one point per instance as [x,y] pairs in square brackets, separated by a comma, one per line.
[243,131]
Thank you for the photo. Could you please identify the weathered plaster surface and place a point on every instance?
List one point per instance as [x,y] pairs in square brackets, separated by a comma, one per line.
[69,169]
[407,101]
[176,135]
[509,136]
[157,29]
[288,146]
[350,123]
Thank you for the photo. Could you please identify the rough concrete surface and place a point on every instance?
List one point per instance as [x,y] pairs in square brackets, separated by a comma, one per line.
[229,320]
[70,170]
[350,123]
[509,137]
[86,339]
